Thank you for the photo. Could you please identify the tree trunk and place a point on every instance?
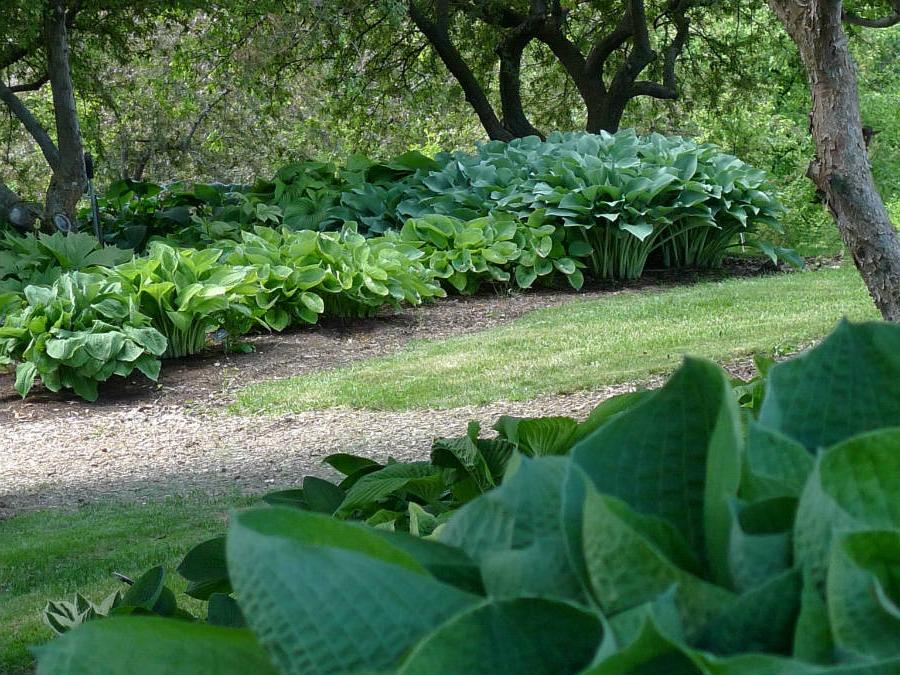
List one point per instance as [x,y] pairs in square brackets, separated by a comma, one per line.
[69,179]
[841,167]
[514,118]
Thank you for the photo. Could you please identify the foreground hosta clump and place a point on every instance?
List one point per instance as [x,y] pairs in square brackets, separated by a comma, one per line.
[670,534]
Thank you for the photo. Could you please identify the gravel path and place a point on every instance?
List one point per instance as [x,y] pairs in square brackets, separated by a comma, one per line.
[149,451]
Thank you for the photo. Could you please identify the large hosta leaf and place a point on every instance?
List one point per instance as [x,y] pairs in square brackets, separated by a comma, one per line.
[524,636]
[628,564]
[760,541]
[144,645]
[329,597]
[776,466]
[846,385]
[760,620]
[514,533]
[675,455]
[855,486]
[419,478]
[864,593]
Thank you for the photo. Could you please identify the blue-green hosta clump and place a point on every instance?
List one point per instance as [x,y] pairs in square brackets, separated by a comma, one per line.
[628,196]
[672,536]
[79,331]
[306,274]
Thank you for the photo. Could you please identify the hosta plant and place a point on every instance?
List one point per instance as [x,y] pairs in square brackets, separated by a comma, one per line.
[188,294]
[81,330]
[306,274]
[41,259]
[498,249]
[670,539]
[419,496]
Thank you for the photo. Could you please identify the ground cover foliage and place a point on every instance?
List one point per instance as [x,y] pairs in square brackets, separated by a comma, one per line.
[321,240]
[692,529]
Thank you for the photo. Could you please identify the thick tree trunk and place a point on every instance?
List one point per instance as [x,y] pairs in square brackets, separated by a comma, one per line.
[841,167]
[514,118]
[69,179]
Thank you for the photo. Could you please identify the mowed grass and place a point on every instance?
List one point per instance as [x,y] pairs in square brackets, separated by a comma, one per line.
[584,345]
[51,554]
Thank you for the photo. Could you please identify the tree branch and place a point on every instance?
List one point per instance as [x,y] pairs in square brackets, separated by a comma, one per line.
[440,42]
[883,22]
[31,124]
[31,86]
[668,88]
[604,47]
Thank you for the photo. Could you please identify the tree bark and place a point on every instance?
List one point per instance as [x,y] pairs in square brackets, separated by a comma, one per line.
[514,118]
[13,209]
[69,179]
[841,168]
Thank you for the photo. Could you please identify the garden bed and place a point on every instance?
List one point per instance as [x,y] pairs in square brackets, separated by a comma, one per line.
[211,379]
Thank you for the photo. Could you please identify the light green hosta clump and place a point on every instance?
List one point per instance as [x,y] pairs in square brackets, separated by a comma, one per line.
[79,331]
[188,294]
[304,275]
[668,533]
[499,249]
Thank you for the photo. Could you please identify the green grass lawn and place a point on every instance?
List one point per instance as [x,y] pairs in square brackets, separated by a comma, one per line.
[53,553]
[584,345]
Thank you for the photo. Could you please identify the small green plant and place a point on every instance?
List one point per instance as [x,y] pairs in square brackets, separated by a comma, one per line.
[668,539]
[418,496]
[79,331]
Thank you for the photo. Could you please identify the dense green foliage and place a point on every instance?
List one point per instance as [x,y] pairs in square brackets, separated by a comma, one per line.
[345,242]
[188,294]
[497,249]
[340,274]
[614,199]
[419,496]
[668,533]
[270,279]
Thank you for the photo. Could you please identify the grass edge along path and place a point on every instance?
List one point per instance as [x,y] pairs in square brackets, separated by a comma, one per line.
[585,344]
[52,553]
